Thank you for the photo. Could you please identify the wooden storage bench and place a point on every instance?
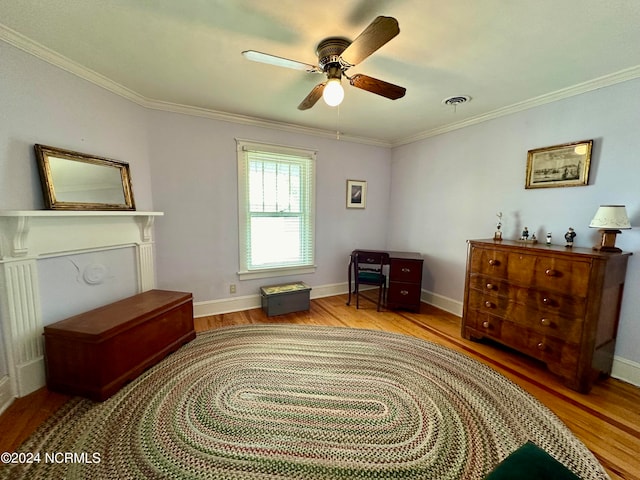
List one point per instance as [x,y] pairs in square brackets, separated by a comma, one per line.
[95,353]
[286,298]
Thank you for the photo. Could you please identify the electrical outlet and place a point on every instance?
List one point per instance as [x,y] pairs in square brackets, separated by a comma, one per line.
[232,288]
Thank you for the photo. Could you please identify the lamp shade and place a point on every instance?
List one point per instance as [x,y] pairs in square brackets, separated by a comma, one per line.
[611,217]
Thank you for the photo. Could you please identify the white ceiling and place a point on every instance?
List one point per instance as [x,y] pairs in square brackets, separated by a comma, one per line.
[185,55]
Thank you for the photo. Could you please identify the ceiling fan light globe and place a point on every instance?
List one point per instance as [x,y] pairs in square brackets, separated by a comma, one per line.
[333,92]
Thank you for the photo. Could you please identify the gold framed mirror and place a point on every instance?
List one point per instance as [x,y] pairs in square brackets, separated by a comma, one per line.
[77,181]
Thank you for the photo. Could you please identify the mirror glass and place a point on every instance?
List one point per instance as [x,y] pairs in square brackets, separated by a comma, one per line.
[76,181]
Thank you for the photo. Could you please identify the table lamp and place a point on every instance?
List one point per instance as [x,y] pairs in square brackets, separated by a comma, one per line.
[610,219]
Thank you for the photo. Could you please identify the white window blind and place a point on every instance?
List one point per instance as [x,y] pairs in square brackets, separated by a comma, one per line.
[276,208]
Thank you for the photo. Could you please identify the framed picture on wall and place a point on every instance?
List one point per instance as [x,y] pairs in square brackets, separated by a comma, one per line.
[565,165]
[356,193]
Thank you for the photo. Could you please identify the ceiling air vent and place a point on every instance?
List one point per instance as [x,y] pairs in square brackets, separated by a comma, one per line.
[456,100]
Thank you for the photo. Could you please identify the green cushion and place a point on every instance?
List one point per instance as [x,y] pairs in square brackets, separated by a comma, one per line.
[530,462]
[369,277]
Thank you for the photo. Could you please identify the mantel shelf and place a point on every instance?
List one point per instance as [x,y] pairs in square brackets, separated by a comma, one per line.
[78,213]
[50,232]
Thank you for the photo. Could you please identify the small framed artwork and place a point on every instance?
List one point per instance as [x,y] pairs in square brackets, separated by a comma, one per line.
[356,193]
[565,165]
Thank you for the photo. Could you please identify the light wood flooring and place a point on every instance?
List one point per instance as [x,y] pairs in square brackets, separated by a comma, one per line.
[607,420]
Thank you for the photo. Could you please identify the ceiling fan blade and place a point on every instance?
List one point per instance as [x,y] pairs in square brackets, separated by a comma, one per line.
[313,97]
[279,61]
[379,32]
[379,87]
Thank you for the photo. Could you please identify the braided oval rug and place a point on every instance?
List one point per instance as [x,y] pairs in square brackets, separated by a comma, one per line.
[304,402]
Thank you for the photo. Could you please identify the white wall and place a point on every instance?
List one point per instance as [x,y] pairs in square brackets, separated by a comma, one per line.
[40,103]
[443,190]
[90,279]
[192,163]
[194,172]
[447,189]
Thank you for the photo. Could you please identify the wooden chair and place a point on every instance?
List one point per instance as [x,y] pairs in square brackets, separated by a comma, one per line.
[368,270]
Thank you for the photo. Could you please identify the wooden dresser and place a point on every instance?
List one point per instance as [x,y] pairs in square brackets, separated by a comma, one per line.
[95,353]
[560,305]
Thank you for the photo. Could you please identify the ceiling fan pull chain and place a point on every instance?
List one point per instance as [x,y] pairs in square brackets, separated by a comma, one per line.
[338,125]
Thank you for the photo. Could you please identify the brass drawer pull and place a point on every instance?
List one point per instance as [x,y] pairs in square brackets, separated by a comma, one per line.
[404,292]
[541,346]
[494,263]
[547,301]
[490,286]
[545,321]
[406,270]
[488,304]
[485,324]
[550,272]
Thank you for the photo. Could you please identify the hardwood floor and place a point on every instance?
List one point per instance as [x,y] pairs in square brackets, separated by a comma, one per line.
[607,420]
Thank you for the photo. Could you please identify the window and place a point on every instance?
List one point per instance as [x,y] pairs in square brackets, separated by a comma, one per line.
[276,209]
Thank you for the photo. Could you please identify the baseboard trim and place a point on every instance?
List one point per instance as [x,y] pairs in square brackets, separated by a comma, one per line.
[443,303]
[247,302]
[6,395]
[31,376]
[626,370]
[225,305]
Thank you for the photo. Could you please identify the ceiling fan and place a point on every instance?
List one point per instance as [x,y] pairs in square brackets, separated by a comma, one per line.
[335,56]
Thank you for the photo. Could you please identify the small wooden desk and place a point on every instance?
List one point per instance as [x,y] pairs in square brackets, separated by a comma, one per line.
[405,279]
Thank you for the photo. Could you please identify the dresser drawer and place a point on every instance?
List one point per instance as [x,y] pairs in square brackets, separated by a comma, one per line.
[405,270]
[562,355]
[489,262]
[548,301]
[545,321]
[553,351]
[490,285]
[566,276]
[549,273]
[569,277]
[484,324]
[401,293]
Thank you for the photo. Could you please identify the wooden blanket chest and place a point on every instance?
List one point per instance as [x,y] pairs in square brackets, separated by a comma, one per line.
[95,353]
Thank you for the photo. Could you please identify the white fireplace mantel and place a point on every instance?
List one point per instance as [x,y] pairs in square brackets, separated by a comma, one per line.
[29,235]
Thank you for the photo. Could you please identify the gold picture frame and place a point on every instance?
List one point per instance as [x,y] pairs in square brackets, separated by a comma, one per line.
[77,181]
[565,165]
[356,194]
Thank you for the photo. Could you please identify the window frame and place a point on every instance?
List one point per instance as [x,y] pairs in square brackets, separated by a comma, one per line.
[244,216]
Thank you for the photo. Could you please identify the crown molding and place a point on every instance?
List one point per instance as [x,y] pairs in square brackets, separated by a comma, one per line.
[258,122]
[37,50]
[595,84]
[43,53]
